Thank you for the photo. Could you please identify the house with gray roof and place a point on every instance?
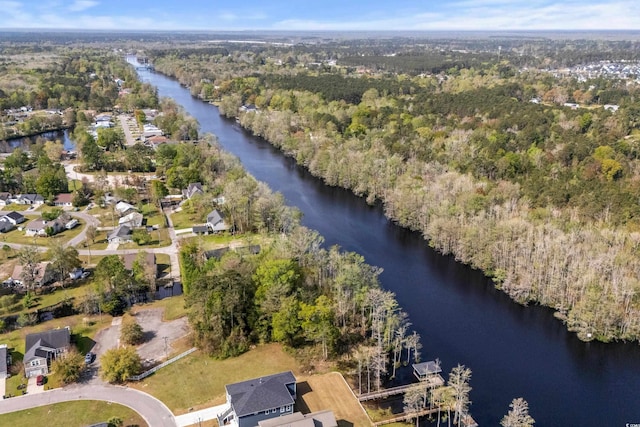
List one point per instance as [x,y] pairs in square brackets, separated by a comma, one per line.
[259,399]
[5,225]
[5,361]
[121,234]
[192,189]
[5,198]
[30,199]
[215,221]
[44,347]
[14,217]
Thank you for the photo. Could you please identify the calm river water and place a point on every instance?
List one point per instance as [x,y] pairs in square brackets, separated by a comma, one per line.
[513,351]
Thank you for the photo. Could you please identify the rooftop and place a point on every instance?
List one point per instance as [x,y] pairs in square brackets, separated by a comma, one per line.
[260,394]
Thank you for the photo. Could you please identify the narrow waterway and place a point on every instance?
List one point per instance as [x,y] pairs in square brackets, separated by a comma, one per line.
[513,351]
[25,142]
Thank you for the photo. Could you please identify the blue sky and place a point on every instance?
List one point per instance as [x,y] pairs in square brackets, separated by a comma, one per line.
[338,15]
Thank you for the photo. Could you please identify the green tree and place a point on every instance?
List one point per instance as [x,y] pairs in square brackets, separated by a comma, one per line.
[63,258]
[69,366]
[110,139]
[131,332]
[93,156]
[318,323]
[286,325]
[120,364]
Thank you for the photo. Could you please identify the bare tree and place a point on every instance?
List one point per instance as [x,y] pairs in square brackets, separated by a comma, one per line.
[29,257]
[459,382]
[518,415]
[414,401]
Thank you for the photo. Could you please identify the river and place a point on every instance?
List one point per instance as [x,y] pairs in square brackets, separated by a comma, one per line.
[513,351]
[26,142]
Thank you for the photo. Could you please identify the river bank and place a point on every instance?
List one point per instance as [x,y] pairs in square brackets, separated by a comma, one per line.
[514,351]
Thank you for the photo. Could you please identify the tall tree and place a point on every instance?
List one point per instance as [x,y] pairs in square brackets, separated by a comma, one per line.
[518,415]
[459,382]
[63,258]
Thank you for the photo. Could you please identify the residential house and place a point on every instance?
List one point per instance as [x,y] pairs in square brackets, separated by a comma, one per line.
[5,225]
[38,227]
[192,189]
[297,419]
[259,399]
[150,130]
[44,274]
[249,108]
[149,260]
[5,199]
[5,361]
[14,218]
[30,199]
[121,234]
[124,208]
[132,220]
[216,222]
[63,199]
[44,347]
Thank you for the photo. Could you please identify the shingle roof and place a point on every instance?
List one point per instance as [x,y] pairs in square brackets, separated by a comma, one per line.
[260,394]
[121,231]
[15,215]
[53,339]
[214,217]
[3,359]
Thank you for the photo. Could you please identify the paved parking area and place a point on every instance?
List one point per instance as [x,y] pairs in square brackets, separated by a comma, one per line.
[159,334]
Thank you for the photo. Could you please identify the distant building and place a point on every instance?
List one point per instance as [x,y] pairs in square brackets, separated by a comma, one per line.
[192,189]
[215,222]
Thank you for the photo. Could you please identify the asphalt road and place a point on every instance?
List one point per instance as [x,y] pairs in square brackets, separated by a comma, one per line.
[154,412]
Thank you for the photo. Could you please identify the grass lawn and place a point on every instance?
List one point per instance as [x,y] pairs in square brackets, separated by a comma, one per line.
[163,261]
[101,242]
[162,234]
[215,241]
[320,392]
[74,291]
[72,414]
[198,381]
[15,207]
[184,219]
[73,185]
[90,261]
[174,307]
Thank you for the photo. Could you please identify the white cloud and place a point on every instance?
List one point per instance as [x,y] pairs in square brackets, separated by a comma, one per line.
[492,15]
[80,5]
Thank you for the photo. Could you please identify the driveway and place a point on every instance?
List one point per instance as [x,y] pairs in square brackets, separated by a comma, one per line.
[160,335]
[107,339]
[154,412]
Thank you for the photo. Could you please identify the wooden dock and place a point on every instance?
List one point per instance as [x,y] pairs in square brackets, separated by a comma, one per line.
[467,420]
[431,382]
[406,417]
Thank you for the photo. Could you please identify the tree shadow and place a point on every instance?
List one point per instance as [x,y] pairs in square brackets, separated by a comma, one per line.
[345,423]
[84,343]
[148,336]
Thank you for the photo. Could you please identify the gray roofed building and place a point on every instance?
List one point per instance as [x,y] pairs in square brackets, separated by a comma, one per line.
[132,220]
[200,229]
[5,198]
[215,221]
[5,225]
[15,217]
[192,189]
[259,399]
[30,199]
[5,361]
[42,348]
[425,369]
[120,234]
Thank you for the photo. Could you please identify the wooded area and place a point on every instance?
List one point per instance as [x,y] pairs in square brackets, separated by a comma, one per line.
[541,196]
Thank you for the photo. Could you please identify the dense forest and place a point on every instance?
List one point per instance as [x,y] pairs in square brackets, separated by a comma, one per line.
[487,161]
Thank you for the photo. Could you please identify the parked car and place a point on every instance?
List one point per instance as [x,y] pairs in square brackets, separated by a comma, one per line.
[40,380]
[86,274]
[89,357]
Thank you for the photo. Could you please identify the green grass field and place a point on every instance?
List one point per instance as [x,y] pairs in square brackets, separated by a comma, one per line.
[72,414]
[198,381]
[184,219]
[17,236]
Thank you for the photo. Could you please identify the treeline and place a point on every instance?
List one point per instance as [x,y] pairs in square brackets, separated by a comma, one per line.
[541,197]
[334,87]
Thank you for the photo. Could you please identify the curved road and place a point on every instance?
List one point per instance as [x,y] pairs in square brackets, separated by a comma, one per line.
[154,412]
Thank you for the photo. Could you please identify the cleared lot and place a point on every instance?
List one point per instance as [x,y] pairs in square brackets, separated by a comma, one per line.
[159,335]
